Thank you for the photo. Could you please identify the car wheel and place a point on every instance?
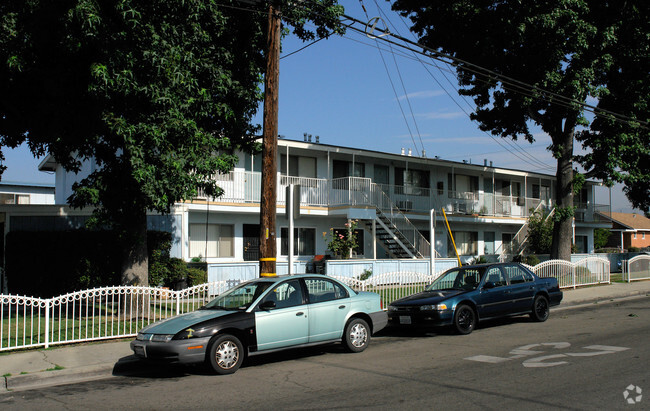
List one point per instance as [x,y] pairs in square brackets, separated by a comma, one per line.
[540,310]
[357,335]
[464,319]
[225,354]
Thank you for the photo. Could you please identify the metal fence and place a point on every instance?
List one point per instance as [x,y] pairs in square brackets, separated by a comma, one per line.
[636,268]
[588,271]
[115,312]
[96,314]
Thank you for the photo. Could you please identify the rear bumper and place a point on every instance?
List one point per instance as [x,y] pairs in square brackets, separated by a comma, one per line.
[555,298]
[379,320]
[176,351]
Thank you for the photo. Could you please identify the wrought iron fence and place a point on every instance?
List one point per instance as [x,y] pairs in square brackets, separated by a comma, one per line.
[588,271]
[636,268]
[95,314]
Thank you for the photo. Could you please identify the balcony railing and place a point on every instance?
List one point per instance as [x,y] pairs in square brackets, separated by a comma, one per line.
[244,187]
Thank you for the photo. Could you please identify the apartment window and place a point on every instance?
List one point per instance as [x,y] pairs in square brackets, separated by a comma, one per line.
[488,242]
[643,236]
[381,174]
[304,241]
[536,192]
[635,236]
[466,243]
[212,240]
[14,198]
[342,168]
[299,166]
[462,186]
[415,182]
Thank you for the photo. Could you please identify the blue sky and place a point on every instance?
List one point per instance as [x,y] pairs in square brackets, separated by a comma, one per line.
[343,91]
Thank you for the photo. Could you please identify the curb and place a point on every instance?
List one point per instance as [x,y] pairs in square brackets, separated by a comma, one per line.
[601,300]
[44,379]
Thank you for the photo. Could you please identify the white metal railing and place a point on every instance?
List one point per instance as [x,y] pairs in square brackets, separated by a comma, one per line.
[588,271]
[244,187]
[636,268]
[95,314]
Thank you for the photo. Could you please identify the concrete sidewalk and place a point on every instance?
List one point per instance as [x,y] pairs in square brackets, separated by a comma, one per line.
[69,364]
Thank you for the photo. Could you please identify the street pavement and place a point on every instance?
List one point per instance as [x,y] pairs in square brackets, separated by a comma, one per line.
[24,370]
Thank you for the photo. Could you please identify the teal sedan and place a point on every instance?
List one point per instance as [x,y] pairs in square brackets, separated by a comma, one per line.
[262,316]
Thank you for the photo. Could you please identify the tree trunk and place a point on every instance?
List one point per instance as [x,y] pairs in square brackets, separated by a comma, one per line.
[563,226]
[135,260]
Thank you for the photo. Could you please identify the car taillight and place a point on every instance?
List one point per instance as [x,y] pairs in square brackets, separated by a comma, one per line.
[381,304]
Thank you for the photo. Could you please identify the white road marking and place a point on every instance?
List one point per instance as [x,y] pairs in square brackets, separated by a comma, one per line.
[538,362]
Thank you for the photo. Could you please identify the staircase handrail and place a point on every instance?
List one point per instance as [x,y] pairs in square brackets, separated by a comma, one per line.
[397,214]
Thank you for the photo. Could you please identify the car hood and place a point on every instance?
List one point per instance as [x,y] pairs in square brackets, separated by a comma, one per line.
[180,322]
[427,297]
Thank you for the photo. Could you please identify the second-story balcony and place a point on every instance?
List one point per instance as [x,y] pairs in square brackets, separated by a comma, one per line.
[245,187]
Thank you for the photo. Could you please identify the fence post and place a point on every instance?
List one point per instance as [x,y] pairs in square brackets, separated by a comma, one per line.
[573,270]
[178,302]
[47,323]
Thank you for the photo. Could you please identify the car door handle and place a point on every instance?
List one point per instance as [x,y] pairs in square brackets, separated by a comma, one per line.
[299,313]
[507,292]
[341,307]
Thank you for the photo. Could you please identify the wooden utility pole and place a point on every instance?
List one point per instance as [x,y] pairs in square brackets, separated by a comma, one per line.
[268,246]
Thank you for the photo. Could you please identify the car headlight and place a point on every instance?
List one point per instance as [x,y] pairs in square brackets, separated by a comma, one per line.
[162,337]
[392,308]
[144,337]
[436,307]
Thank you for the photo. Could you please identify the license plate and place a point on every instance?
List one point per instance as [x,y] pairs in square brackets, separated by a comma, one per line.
[139,350]
[404,319]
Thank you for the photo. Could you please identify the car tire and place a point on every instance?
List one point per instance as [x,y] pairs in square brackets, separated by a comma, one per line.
[225,354]
[540,311]
[357,335]
[464,319]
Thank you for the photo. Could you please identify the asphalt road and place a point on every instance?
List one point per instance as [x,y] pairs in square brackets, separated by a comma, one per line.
[582,358]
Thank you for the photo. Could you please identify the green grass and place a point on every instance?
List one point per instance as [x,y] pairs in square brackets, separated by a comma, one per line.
[55,368]
[103,321]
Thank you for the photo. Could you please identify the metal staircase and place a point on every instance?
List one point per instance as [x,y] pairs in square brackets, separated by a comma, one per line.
[394,231]
[518,244]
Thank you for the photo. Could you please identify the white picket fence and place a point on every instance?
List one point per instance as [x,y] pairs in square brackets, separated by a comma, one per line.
[116,312]
[637,268]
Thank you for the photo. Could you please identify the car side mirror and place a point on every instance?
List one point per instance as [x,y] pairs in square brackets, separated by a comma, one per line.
[267,305]
[488,285]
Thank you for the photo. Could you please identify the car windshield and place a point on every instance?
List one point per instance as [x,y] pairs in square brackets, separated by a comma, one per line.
[240,297]
[466,279]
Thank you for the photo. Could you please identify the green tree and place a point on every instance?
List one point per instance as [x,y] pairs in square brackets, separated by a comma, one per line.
[544,60]
[540,233]
[601,237]
[157,93]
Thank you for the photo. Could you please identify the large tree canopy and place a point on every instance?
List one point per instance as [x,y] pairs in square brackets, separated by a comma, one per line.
[539,62]
[158,93]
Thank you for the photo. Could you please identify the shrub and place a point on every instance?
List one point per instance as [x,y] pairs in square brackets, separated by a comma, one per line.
[367,273]
[532,260]
[196,276]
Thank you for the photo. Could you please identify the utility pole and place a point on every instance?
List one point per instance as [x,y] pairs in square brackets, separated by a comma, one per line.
[268,246]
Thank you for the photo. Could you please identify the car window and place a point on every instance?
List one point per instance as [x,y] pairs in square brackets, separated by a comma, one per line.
[516,274]
[287,294]
[495,276]
[324,290]
[240,297]
[469,279]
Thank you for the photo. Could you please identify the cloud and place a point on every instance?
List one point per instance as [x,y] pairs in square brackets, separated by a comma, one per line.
[437,115]
[422,94]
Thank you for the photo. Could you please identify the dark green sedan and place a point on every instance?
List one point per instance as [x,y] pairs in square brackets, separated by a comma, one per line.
[262,316]
[463,296]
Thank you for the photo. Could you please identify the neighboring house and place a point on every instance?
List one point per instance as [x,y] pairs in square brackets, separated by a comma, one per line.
[389,194]
[628,230]
[14,199]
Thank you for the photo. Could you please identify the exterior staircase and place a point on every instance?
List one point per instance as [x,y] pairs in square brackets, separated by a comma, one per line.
[394,231]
